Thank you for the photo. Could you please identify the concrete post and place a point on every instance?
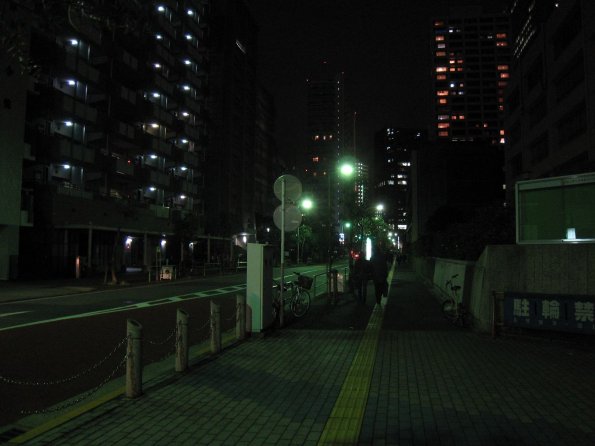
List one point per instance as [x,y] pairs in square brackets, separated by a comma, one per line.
[240,316]
[215,328]
[181,341]
[134,360]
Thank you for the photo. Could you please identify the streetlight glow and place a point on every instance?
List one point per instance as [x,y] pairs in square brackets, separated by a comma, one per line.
[346,169]
[307,203]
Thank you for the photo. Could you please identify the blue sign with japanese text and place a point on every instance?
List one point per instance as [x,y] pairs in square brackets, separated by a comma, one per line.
[561,312]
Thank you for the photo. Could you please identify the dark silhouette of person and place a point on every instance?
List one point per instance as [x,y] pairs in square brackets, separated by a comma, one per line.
[379,272]
[361,275]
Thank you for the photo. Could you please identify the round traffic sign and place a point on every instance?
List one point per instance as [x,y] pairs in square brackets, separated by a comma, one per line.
[293,217]
[293,187]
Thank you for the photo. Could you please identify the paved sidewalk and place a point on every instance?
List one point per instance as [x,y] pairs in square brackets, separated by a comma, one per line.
[409,377]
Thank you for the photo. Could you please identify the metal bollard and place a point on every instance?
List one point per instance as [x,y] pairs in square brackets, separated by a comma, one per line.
[134,359]
[215,328]
[181,341]
[240,316]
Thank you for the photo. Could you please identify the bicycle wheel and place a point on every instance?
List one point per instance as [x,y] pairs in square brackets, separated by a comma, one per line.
[300,303]
[449,309]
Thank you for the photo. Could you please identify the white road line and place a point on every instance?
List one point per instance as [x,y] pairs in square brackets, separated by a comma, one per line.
[12,314]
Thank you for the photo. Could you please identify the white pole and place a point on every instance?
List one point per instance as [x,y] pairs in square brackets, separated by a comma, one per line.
[282,250]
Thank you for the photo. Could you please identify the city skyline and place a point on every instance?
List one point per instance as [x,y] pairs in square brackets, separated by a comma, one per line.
[384,51]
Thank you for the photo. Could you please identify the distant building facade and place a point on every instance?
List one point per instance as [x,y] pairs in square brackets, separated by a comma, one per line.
[550,101]
[327,124]
[471,64]
[392,173]
[233,103]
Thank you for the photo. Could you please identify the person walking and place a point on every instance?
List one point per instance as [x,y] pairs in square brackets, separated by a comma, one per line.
[379,273]
[361,275]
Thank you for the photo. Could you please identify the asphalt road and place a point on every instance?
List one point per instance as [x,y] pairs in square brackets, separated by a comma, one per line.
[47,341]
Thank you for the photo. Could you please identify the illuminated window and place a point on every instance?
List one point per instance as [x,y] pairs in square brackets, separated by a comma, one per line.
[440,46]
[502,140]
[461,116]
[501,43]
[460,61]
[440,69]
[439,38]
[502,83]
[440,53]
[502,67]
[443,125]
[315,159]
[452,61]
[442,93]
[438,23]
[452,69]
[504,75]
[441,77]
[501,36]
[454,117]
[443,133]
[443,117]
[501,132]
[501,107]
[443,101]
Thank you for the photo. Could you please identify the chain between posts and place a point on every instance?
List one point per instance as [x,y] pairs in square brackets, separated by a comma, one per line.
[83,396]
[233,317]
[65,380]
[168,337]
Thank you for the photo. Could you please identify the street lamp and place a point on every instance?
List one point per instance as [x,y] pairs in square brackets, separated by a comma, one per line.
[346,170]
[306,204]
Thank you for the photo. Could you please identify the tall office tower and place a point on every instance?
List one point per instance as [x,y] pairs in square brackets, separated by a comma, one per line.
[471,58]
[551,105]
[265,164]
[392,173]
[230,173]
[104,108]
[326,125]
[362,184]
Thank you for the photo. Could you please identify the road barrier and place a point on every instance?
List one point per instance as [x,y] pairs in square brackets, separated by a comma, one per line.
[132,357]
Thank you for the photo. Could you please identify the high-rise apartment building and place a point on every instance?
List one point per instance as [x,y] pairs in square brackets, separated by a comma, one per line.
[233,103]
[392,173]
[325,142]
[471,60]
[109,131]
[550,100]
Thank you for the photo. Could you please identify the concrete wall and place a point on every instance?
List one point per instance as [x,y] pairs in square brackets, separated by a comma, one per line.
[551,269]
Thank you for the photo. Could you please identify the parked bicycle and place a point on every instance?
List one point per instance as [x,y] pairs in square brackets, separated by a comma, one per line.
[295,293]
[452,308]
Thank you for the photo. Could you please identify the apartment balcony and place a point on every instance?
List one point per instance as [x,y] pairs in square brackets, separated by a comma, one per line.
[62,106]
[153,112]
[161,84]
[165,55]
[159,146]
[190,104]
[81,69]
[123,167]
[192,132]
[181,186]
[152,177]
[164,25]
[63,150]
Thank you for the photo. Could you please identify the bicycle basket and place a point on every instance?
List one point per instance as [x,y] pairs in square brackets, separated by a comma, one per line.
[305,282]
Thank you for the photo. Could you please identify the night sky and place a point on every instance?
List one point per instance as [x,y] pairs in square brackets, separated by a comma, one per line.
[382,46]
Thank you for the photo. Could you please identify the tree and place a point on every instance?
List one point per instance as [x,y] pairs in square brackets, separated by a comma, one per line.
[303,235]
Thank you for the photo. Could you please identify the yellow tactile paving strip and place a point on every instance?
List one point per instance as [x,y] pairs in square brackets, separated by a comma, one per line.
[344,425]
